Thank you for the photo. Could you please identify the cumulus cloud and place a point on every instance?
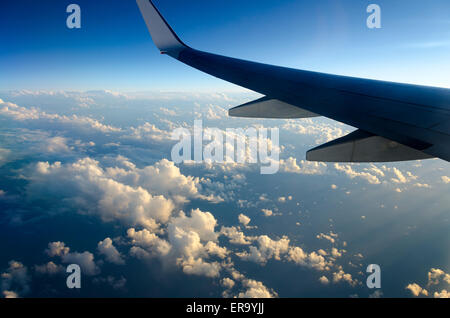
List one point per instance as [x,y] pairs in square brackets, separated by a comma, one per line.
[324,280]
[19,113]
[323,132]
[267,212]
[341,276]
[256,289]
[266,249]
[85,260]
[49,268]
[243,219]
[438,285]
[191,242]
[202,223]
[111,253]
[235,236]
[445,179]
[290,165]
[93,190]
[311,260]
[329,237]
[416,290]
[227,283]
[348,170]
[15,281]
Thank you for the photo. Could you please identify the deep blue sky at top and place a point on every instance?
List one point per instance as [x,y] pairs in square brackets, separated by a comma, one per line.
[113,49]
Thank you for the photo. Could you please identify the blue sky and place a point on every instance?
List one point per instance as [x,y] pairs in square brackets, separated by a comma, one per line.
[113,49]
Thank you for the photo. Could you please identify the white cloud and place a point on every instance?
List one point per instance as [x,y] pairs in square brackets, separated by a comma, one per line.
[111,253]
[202,223]
[228,283]
[15,282]
[94,191]
[85,260]
[49,268]
[235,236]
[18,113]
[255,289]
[267,212]
[348,170]
[243,219]
[303,167]
[267,249]
[311,260]
[341,276]
[416,290]
[438,285]
[324,280]
[329,237]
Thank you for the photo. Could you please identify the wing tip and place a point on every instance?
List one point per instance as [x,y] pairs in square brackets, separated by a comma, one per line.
[161,32]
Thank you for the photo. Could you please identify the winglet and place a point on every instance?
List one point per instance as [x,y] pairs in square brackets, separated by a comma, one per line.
[162,34]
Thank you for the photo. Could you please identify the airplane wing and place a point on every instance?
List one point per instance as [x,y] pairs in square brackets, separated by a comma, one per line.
[396,122]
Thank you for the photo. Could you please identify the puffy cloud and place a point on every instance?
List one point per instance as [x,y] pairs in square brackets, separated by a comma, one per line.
[336,253]
[341,276]
[202,223]
[191,240]
[49,268]
[445,179]
[152,244]
[243,219]
[329,237]
[92,190]
[197,266]
[213,249]
[416,290]
[57,249]
[85,260]
[267,212]
[348,170]
[401,178]
[267,249]
[438,285]
[15,281]
[235,236]
[227,283]
[324,280]
[303,167]
[435,275]
[56,144]
[442,294]
[148,133]
[10,294]
[324,132]
[312,260]
[111,253]
[255,289]
[18,113]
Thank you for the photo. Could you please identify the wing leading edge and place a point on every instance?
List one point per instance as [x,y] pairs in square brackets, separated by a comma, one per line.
[411,117]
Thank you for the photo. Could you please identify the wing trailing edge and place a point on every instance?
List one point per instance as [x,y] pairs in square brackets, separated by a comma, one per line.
[267,107]
[361,146]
